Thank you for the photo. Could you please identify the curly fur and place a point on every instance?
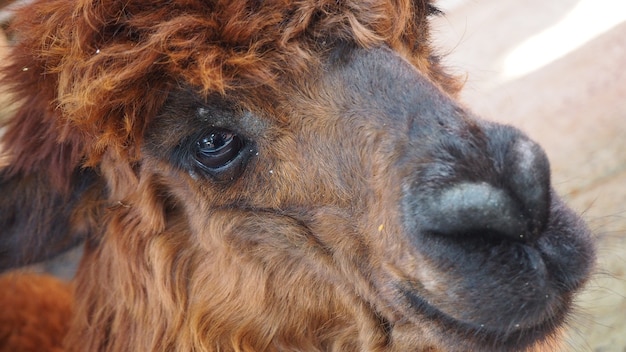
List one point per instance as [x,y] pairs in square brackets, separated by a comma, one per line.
[217,46]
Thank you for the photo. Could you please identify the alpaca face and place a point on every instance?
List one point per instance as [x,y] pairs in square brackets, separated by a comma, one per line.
[437,216]
[241,187]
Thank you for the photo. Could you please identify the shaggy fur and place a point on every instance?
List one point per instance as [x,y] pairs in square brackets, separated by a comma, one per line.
[36,313]
[354,210]
[215,47]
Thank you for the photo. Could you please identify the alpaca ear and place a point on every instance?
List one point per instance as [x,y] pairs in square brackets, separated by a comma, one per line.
[38,222]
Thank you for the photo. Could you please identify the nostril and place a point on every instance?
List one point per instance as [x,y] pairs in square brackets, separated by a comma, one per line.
[527,175]
[513,205]
[471,209]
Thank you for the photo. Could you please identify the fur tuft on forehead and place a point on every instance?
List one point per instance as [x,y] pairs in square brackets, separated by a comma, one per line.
[103,69]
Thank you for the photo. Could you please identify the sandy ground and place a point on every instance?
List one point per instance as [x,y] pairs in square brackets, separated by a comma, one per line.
[556,70]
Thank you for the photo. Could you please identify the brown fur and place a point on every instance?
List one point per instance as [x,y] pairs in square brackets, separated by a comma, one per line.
[272,260]
[224,46]
[36,315]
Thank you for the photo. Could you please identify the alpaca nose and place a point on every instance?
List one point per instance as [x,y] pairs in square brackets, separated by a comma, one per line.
[512,205]
[474,209]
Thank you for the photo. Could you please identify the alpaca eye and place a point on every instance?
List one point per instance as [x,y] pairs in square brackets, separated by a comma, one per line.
[217,149]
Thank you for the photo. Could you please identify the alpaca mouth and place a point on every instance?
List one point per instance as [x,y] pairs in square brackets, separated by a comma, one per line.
[500,286]
[505,273]
[508,336]
[493,313]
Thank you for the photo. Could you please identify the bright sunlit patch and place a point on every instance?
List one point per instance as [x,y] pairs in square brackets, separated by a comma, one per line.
[586,21]
[448,5]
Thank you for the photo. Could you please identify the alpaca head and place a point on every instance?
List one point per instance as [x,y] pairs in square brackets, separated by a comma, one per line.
[277,175]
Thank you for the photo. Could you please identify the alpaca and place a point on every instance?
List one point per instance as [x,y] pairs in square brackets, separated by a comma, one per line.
[274,176]
[36,312]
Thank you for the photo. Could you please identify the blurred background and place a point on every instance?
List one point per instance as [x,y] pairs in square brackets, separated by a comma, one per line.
[557,70]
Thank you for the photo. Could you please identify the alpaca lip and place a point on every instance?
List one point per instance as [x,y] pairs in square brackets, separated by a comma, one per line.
[507,337]
[487,286]
[424,307]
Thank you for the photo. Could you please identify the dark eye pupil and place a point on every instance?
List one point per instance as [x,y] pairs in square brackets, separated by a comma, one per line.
[216,141]
[217,149]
